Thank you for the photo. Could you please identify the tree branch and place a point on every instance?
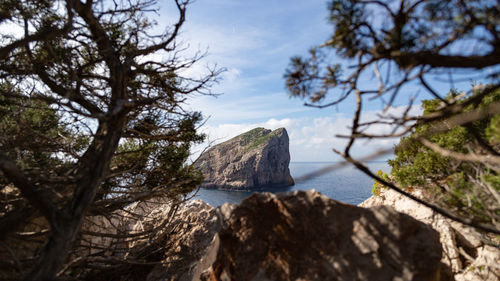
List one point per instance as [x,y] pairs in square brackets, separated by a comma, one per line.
[433,207]
[39,200]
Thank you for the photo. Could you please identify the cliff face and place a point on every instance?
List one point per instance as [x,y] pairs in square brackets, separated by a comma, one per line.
[255,159]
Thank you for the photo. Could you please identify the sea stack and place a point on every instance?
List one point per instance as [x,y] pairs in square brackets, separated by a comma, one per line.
[253,160]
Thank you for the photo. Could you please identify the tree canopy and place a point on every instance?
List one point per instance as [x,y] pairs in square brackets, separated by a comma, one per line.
[411,42]
[91,120]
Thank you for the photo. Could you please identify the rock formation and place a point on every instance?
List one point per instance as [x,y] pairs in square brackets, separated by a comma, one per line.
[255,159]
[166,247]
[289,236]
[307,236]
[464,250]
[300,236]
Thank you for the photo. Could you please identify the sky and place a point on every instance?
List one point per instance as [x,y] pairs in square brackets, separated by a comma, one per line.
[254,41]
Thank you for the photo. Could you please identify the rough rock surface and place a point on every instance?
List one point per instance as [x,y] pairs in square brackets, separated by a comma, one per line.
[255,159]
[290,236]
[174,249]
[195,228]
[308,236]
[463,250]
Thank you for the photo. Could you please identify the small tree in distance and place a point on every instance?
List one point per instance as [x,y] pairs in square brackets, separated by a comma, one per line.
[89,121]
[413,41]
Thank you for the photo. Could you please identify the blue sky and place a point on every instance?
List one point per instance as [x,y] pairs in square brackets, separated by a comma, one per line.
[254,41]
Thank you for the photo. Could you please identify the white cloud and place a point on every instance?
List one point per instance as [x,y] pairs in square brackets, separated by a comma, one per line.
[312,139]
[8,29]
[234,108]
[231,74]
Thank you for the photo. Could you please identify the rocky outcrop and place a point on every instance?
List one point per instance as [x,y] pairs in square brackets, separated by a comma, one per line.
[307,236]
[464,250]
[289,236]
[183,249]
[256,159]
[160,245]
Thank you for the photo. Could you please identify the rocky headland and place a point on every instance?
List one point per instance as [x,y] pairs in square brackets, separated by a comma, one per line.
[253,160]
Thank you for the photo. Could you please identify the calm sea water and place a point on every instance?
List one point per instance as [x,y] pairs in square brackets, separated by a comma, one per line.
[345,184]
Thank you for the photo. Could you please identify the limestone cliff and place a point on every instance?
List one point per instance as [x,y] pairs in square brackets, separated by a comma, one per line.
[255,159]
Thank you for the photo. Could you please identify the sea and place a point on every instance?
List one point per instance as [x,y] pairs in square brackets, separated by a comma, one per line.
[346,184]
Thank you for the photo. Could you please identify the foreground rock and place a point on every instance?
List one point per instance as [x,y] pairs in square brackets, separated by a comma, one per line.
[308,236]
[290,236]
[256,159]
[464,251]
[158,237]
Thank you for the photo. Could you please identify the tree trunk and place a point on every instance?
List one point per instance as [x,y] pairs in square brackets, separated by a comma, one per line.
[64,228]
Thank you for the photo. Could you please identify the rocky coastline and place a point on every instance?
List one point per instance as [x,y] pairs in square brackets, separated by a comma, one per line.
[300,235]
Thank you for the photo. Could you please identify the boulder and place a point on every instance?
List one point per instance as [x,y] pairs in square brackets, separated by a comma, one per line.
[168,246]
[301,235]
[307,236]
[256,159]
[464,249]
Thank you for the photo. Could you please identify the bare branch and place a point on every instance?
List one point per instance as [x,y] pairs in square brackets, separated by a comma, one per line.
[435,208]
[39,200]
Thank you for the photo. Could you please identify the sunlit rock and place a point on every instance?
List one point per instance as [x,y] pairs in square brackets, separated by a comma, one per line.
[256,159]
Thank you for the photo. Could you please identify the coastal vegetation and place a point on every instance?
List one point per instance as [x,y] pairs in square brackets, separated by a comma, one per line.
[463,184]
[255,137]
[95,135]
[453,147]
[468,187]
[378,186]
[92,120]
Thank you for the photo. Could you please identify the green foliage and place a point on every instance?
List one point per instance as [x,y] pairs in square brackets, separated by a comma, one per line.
[88,124]
[36,138]
[40,141]
[459,185]
[258,141]
[402,49]
[252,134]
[378,186]
[254,138]
[493,130]
[155,158]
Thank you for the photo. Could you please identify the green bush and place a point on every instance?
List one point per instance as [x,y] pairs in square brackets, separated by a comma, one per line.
[462,186]
[378,186]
